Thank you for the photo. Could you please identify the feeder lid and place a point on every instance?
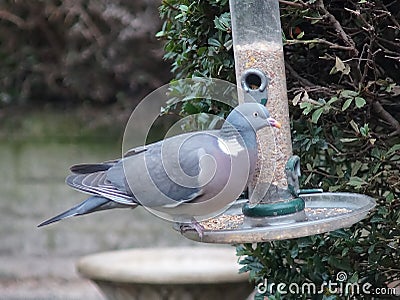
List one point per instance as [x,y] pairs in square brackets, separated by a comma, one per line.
[323,212]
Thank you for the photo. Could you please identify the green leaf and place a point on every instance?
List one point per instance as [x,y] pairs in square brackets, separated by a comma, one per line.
[223,22]
[371,248]
[332,100]
[214,42]
[348,94]
[190,108]
[340,233]
[360,102]
[160,34]
[228,44]
[334,188]
[393,149]
[294,252]
[201,51]
[358,249]
[300,35]
[308,178]
[178,16]
[348,140]
[347,104]
[339,171]
[342,264]
[376,167]
[259,297]
[354,278]
[390,197]
[354,126]
[355,168]
[377,219]
[330,297]
[316,115]
[307,107]
[183,8]
[365,130]
[357,182]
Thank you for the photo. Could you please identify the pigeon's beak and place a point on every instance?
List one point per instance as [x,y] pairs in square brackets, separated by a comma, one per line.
[274,123]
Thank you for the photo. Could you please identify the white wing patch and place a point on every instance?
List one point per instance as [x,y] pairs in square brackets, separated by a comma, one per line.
[230,147]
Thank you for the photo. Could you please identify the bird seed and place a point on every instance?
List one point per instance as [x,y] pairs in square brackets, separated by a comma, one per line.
[223,222]
[275,146]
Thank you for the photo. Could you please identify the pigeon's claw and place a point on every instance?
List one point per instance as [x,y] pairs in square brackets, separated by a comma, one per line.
[194,225]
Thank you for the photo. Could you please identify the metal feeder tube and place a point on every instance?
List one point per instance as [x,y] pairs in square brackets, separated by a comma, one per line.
[258,50]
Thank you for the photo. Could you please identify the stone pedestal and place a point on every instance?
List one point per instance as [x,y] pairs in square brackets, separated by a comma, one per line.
[185,273]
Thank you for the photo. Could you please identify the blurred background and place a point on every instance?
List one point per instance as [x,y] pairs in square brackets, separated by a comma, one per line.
[71,73]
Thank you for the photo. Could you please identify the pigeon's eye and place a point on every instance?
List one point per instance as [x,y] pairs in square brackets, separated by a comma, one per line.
[255,114]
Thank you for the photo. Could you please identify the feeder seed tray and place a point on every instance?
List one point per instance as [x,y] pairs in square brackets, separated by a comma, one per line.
[323,212]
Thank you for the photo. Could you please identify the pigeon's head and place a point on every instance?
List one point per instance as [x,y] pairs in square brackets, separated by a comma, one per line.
[254,114]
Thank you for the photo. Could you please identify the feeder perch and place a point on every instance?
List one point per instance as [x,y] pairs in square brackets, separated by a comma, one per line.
[277,208]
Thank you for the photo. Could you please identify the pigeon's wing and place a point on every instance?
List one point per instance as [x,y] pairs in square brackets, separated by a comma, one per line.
[92,179]
[135,151]
[92,168]
[103,166]
[97,184]
[167,173]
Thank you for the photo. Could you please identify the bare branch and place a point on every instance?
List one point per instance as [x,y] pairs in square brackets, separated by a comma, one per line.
[338,27]
[6,15]
[368,60]
[307,85]
[385,115]
[299,4]
[320,41]
[393,57]
[393,19]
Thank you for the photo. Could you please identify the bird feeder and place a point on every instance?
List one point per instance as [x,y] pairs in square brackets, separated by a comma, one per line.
[260,74]
[276,207]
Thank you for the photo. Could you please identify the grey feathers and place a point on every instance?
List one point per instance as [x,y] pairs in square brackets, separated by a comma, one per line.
[210,168]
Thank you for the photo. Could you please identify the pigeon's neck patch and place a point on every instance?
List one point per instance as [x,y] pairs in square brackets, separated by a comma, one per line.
[230,146]
[244,135]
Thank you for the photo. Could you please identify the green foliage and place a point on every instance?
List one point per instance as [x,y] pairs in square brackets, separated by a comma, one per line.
[198,39]
[342,74]
[199,44]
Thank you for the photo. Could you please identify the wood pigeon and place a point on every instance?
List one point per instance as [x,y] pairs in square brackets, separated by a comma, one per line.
[183,177]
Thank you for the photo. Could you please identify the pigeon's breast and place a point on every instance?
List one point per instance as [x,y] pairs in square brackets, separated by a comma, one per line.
[224,171]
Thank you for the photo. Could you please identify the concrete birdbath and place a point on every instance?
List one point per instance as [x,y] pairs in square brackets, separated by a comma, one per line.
[183,273]
[277,208]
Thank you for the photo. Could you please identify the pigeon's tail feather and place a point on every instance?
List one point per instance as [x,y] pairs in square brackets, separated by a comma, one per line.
[91,168]
[92,204]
